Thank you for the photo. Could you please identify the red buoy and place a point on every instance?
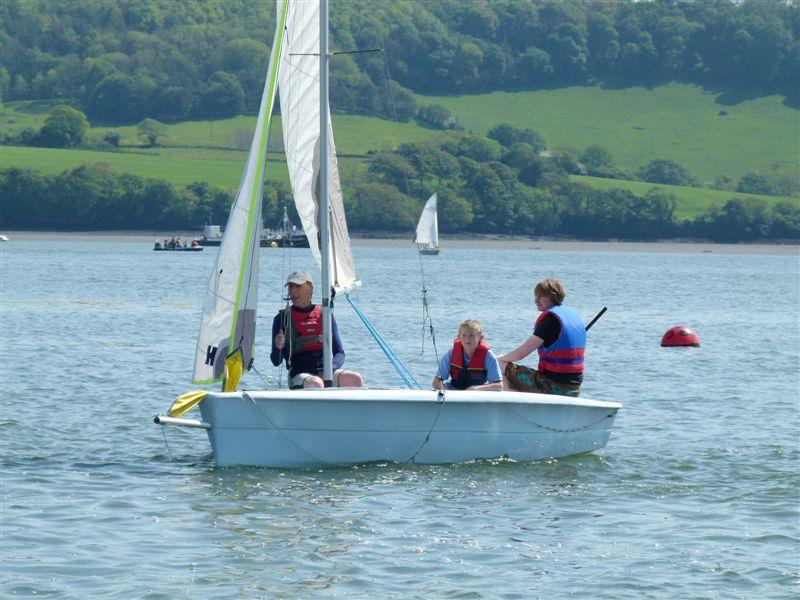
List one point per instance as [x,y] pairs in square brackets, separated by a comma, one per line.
[680,336]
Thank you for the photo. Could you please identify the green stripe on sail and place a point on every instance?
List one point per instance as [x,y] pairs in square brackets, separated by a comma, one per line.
[256,191]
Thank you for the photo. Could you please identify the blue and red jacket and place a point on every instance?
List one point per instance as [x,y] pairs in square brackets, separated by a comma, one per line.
[565,355]
[462,376]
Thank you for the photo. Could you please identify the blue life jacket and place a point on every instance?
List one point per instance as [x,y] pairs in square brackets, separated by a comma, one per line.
[565,355]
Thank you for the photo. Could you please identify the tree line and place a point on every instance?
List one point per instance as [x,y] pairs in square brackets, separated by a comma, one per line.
[502,184]
[125,60]
[507,184]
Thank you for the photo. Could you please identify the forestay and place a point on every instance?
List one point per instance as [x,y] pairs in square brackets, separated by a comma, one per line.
[428,226]
[229,310]
[298,81]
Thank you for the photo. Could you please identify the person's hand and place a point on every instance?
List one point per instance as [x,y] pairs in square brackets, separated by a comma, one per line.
[280,340]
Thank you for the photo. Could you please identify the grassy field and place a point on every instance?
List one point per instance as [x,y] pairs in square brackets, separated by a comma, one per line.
[676,121]
[354,134]
[178,166]
[691,201]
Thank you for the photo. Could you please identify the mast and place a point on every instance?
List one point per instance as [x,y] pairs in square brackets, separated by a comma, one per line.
[327,350]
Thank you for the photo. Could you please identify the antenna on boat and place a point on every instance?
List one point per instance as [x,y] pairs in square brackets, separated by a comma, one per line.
[427,319]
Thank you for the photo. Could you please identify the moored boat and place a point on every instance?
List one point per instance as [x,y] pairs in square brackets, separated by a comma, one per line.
[285,235]
[212,236]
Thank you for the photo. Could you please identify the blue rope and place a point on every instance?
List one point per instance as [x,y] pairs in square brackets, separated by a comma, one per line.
[401,369]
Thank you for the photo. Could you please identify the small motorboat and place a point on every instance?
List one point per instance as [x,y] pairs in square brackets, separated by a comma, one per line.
[177,246]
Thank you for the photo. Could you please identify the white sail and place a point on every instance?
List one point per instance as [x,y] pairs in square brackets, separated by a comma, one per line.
[298,81]
[428,226]
[229,310]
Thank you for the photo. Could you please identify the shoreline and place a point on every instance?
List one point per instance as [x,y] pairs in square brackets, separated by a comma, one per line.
[482,241]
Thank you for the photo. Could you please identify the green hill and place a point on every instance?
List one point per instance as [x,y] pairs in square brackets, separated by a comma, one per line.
[354,134]
[692,202]
[676,121]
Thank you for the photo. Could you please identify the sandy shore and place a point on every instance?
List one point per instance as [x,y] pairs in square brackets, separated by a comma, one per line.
[495,242]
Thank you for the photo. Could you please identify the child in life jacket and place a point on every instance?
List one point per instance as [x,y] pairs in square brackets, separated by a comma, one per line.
[469,364]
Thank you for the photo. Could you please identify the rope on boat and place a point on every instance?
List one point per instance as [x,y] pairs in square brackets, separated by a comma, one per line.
[283,278]
[290,440]
[556,430]
[268,380]
[335,464]
[401,369]
[441,399]
[166,443]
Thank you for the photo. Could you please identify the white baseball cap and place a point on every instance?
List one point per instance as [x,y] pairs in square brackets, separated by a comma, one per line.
[299,278]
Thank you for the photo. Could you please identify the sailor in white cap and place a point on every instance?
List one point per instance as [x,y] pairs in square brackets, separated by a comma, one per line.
[297,339]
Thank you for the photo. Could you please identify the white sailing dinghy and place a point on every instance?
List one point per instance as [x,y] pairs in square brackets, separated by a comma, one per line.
[340,426]
[427,239]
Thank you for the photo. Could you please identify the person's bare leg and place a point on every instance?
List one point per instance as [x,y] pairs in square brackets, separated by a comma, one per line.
[350,379]
[312,382]
[503,365]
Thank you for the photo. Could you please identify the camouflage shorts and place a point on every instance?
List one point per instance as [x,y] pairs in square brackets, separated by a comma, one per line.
[524,379]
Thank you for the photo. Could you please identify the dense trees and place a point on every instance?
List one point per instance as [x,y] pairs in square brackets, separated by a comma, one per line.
[664,170]
[474,196]
[130,59]
[64,127]
[97,197]
[134,61]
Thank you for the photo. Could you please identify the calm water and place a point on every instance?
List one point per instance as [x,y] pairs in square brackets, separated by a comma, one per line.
[696,495]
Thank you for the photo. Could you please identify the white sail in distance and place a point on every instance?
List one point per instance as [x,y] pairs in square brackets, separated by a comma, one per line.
[428,226]
[229,311]
[298,82]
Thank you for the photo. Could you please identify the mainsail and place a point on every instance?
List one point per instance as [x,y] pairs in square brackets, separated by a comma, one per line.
[229,311]
[428,226]
[298,80]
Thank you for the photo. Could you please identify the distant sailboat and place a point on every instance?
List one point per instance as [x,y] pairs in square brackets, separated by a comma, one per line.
[427,239]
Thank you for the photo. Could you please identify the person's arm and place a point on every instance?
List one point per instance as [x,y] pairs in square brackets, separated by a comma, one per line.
[528,346]
[493,377]
[495,386]
[444,371]
[336,347]
[276,354]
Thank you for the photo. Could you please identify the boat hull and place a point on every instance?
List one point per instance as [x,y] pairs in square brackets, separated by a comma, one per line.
[334,427]
[300,241]
[181,249]
[264,243]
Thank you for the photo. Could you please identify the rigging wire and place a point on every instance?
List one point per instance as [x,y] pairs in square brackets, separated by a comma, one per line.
[427,319]
[401,369]
[268,380]
[284,234]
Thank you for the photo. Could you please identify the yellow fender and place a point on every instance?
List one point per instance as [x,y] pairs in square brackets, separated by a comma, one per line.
[189,400]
